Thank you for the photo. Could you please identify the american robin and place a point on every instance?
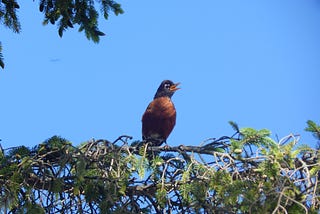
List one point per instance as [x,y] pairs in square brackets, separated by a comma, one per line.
[160,116]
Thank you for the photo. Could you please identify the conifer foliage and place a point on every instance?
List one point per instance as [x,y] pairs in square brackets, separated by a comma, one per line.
[65,14]
[248,172]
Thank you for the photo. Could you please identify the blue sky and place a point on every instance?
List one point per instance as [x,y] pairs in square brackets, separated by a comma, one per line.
[252,62]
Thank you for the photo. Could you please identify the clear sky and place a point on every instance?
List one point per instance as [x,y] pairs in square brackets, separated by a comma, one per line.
[253,62]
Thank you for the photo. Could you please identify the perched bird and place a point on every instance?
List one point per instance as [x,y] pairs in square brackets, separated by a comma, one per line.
[160,116]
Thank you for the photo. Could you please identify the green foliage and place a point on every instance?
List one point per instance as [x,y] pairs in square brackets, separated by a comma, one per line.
[1,57]
[254,137]
[65,13]
[234,126]
[8,15]
[30,208]
[83,13]
[9,18]
[19,152]
[253,174]
[55,149]
[161,196]
[142,163]
[313,128]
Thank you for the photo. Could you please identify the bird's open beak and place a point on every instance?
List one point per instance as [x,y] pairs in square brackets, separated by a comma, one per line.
[175,87]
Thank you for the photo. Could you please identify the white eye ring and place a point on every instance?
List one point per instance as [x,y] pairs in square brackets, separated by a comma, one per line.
[167,86]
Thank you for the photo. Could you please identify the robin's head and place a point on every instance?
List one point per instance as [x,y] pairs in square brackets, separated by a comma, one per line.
[166,89]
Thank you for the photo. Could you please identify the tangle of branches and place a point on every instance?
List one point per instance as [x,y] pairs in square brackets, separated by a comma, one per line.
[245,173]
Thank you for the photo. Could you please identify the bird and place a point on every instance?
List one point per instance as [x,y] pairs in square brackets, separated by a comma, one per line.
[159,118]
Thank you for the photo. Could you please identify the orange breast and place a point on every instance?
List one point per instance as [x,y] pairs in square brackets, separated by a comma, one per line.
[159,119]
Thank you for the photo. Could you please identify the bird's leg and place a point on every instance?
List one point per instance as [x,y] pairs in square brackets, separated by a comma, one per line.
[166,146]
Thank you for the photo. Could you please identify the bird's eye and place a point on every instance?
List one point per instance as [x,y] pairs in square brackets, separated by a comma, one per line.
[167,86]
